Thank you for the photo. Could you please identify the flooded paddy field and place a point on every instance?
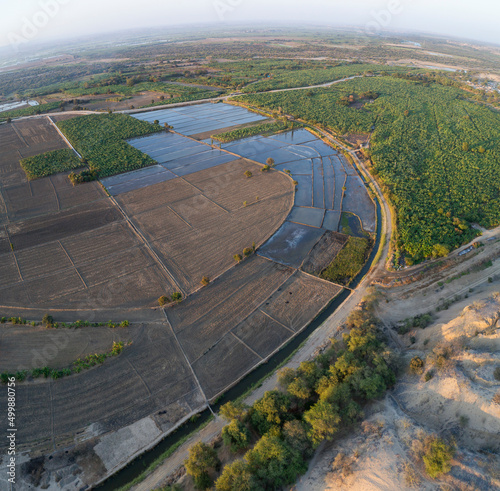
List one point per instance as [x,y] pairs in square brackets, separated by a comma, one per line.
[191,120]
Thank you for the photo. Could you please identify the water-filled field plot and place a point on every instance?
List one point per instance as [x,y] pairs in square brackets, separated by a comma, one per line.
[327,186]
[176,156]
[200,118]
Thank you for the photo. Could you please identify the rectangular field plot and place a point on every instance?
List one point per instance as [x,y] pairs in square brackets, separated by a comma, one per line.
[291,244]
[324,252]
[203,319]
[357,201]
[262,334]
[148,377]
[331,220]
[196,224]
[287,305]
[225,363]
[137,179]
[307,216]
[199,118]
[57,226]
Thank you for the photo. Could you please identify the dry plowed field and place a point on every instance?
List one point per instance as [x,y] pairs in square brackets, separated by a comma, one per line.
[197,223]
[324,252]
[76,253]
[226,329]
[20,199]
[150,376]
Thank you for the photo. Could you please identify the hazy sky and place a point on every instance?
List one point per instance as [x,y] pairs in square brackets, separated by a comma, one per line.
[48,19]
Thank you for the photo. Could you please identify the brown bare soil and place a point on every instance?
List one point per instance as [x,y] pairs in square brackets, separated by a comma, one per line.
[57,348]
[324,252]
[197,223]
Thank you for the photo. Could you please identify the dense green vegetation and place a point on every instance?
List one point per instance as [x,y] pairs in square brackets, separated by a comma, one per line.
[258,129]
[28,111]
[99,138]
[348,262]
[315,403]
[49,163]
[434,149]
[286,78]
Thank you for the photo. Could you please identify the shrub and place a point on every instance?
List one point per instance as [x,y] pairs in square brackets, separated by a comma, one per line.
[205,280]
[496,373]
[496,398]
[237,257]
[247,251]
[416,365]
[248,174]
[265,168]
[163,300]
[437,456]
[176,296]
[270,162]
[124,323]
[47,320]
[236,435]
[428,375]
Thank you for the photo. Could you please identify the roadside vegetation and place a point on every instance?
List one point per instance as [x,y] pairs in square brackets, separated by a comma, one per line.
[50,163]
[313,403]
[99,138]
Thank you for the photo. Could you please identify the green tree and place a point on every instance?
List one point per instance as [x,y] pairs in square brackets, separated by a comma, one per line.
[163,300]
[202,459]
[232,410]
[270,162]
[47,320]
[236,435]
[324,421]
[270,410]
[274,464]
[440,250]
[248,174]
[235,477]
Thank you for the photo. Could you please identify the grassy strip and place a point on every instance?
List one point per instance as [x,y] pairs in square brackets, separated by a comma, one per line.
[49,163]
[78,365]
[165,455]
[51,324]
[99,138]
[259,129]
[348,262]
[29,111]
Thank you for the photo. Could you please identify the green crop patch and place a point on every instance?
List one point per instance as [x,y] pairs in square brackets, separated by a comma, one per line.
[100,139]
[258,129]
[49,163]
[348,262]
